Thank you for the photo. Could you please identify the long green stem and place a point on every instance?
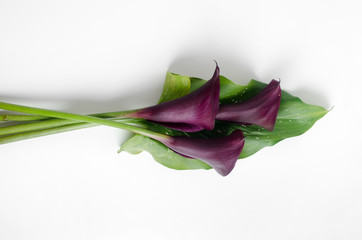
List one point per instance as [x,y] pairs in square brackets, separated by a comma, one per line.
[21,134]
[11,117]
[81,118]
[52,123]
[24,118]
[48,122]
[34,126]
[44,132]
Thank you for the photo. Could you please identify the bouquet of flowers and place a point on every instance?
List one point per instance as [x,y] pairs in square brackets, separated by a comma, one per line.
[196,124]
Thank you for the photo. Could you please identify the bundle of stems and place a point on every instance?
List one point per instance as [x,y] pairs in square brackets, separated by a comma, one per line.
[41,122]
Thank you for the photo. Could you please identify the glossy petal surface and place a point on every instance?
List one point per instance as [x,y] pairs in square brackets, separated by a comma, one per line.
[193,112]
[261,110]
[220,153]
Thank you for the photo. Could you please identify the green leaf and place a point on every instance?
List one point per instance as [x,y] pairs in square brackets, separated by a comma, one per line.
[294,118]
[175,86]
[161,153]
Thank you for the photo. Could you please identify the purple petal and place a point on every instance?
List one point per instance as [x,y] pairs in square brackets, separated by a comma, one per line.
[220,153]
[261,109]
[193,112]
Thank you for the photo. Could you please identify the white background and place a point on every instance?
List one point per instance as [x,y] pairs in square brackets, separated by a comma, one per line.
[98,56]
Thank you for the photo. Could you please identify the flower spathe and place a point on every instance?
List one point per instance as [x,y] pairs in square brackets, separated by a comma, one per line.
[193,112]
[220,153]
[261,110]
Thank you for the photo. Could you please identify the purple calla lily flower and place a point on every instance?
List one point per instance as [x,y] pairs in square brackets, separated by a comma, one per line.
[193,112]
[220,153]
[261,109]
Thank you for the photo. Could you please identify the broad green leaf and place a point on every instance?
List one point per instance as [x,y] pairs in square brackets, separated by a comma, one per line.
[175,86]
[294,118]
[161,153]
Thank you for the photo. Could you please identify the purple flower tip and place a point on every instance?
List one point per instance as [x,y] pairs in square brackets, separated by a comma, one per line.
[220,153]
[193,112]
[261,109]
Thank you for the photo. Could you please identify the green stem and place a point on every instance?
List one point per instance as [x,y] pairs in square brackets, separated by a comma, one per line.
[24,118]
[10,117]
[45,124]
[44,132]
[34,126]
[48,122]
[81,118]
[22,135]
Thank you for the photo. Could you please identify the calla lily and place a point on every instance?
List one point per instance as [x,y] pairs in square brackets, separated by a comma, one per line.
[220,153]
[193,112]
[261,109]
